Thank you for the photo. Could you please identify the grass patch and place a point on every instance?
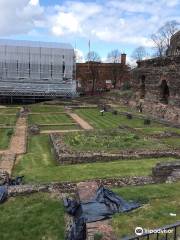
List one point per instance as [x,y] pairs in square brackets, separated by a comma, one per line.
[38,165]
[109,120]
[39,153]
[37,108]
[5,136]
[153,130]
[58,127]
[8,120]
[159,130]
[49,119]
[9,110]
[160,200]
[34,217]
[173,142]
[109,141]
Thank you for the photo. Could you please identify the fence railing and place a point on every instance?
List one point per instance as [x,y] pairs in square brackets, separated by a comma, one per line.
[169,232]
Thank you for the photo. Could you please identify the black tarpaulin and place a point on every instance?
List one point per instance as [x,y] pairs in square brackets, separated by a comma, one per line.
[3,194]
[6,183]
[101,207]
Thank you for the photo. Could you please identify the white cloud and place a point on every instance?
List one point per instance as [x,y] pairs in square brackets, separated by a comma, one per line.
[113,21]
[131,61]
[80,58]
[72,17]
[65,22]
[19,16]
[34,2]
[128,21]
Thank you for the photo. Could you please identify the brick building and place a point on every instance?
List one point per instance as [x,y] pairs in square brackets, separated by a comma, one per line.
[97,76]
[157,83]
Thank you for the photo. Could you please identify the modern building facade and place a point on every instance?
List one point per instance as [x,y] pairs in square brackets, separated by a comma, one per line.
[37,69]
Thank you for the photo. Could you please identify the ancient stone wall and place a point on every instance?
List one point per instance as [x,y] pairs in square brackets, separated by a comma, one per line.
[64,155]
[70,187]
[164,171]
[157,82]
[154,72]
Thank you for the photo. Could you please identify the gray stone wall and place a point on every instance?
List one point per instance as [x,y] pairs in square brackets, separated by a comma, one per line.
[155,70]
[164,171]
[65,156]
[71,187]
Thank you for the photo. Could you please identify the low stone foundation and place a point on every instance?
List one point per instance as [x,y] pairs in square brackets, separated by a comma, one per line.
[71,187]
[166,171]
[159,111]
[65,156]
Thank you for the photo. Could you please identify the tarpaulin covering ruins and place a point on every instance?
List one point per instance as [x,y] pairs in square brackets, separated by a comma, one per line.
[101,207]
[3,194]
[6,181]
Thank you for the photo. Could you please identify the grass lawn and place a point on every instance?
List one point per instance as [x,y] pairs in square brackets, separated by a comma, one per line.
[60,127]
[159,201]
[173,142]
[38,108]
[109,141]
[9,110]
[49,119]
[158,130]
[153,130]
[37,217]
[8,120]
[110,120]
[38,165]
[5,136]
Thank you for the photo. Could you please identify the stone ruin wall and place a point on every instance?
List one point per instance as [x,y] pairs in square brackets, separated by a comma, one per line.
[154,72]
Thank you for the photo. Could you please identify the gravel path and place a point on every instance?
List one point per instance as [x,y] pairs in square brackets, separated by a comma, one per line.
[85,125]
[17,145]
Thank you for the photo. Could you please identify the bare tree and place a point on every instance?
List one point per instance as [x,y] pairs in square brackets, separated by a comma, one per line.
[93,57]
[168,30]
[159,44]
[163,36]
[93,60]
[114,57]
[139,53]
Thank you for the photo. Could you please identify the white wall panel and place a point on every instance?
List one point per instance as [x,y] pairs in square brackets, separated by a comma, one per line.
[35,63]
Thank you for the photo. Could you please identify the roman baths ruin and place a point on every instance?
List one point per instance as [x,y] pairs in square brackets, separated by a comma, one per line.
[156,83]
[104,165]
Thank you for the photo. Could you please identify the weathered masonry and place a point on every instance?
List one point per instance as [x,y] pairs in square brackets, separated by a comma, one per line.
[37,69]
[157,83]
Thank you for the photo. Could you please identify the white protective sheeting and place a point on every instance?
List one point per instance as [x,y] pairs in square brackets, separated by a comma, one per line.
[36,66]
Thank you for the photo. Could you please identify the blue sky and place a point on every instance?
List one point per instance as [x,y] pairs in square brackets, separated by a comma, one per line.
[109,24]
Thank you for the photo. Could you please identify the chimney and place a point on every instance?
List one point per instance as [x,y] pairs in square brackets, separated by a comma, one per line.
[123,59]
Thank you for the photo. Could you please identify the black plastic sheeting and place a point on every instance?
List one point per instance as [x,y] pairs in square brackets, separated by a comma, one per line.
[4,188]
[3,194]
[15,181]
[103,206]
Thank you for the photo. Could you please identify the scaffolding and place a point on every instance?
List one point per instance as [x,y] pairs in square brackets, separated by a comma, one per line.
[36,69]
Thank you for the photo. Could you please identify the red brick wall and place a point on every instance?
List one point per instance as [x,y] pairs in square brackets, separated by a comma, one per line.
[103,72]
